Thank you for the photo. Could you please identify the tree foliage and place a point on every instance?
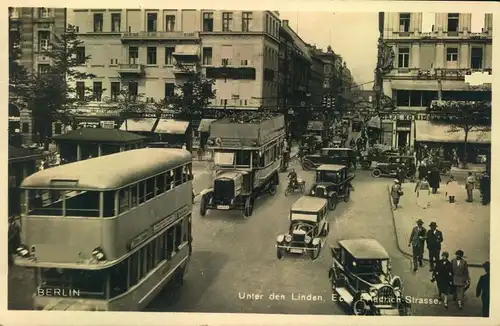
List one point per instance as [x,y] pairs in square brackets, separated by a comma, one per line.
[127,103]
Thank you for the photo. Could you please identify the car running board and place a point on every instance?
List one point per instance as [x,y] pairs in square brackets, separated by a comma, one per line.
[345,295]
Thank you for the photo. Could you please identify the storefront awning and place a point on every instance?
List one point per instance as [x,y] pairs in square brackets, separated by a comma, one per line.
[170,126]
[205,125]
[418,85]
[426,131]
[143,124]
[187,49]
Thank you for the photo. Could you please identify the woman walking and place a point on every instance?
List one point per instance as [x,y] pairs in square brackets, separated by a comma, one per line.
[423,190]
[451,189]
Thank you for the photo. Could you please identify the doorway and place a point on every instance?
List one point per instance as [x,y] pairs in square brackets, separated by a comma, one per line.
[403,138]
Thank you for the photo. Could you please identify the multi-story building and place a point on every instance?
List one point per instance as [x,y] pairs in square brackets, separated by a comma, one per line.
[37,28]
[433,53]
[317,76]
[146,49]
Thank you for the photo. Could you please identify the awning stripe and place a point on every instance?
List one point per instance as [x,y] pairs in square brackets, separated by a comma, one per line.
[143,124]
[429,132]
[170,126]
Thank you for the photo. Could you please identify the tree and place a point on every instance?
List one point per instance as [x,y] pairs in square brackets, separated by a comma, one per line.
[462,116]
[127,103]
[54,95]
[194,95]
[18,74]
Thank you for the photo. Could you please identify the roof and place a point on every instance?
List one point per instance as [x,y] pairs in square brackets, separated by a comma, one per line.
[364,248]
[139,124]
[298,41]
[19,153]
[309,204]
[110,171]
[100,135]
[330,167]
[171,126]
[205,125]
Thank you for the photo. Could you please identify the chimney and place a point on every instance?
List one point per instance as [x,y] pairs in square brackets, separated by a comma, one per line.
[285,22]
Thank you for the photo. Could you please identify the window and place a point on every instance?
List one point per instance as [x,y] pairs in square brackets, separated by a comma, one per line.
[97,91]
[169,90]
[476,58]
[428,97]
[43,12]
[133,54]
[244,62]
[150,188]
[80,55]
[43,68]
[207,56]
[123,200]
[43,40]
[227,21]
[245,21]
[208,21]
[404,57]
[115,90]
[98,22]
[169,242]
[403,98]
[415,98]
[134,269]
[169,56]
[404,22]
[116,19]
[80,90]
[169,23]
[451,54]
[133,89]
[152,19]
[151,55]
[226,62]
[57,128]
[25,128]
[453,22]
[160,184]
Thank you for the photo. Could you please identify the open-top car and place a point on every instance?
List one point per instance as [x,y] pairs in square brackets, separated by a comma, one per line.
[344,156]
[361,277]
[333,182]
[390,166]
[308,227]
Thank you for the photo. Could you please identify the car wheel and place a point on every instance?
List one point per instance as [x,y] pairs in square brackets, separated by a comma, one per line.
[315,253]
[203,205]
[347,195]
[376,173]
[287,191]
[332,202]
[326,229]
[272,189]
[306,166]
[248,210]
[280,252]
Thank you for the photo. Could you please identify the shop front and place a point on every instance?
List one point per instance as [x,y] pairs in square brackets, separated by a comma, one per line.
[140,126]
[174,132]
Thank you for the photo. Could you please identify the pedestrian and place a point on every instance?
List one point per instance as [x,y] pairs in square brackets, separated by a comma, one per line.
[461,277]
[434,179]
[443,275]
[401,173]
[455,157]
[451,189]
[200,153]
[422,169]
[485,188]
[434,239]
[184,146]
[423,190]
[396,193]
[469,186]
[483,289]
[417,239]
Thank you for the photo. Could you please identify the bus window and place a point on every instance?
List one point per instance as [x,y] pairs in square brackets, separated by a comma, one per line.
[160,249]
[118,279]
[190,171]
[82,203]
[185,227]
[142,192]
[242,158]
[160,184]
[123,200]
[150,188]
[140,257]
[169,181]
[109,204]
[178,176]
[178,235]
[133,196]
[44,202]
[150,256]
[134,268]
[169,242]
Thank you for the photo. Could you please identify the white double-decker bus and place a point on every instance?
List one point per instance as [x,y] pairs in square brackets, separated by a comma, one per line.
[110,232]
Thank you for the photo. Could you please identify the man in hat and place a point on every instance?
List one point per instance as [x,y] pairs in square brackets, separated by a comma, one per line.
[461,277]
[483,289]
[396,193]
[434,239]
[443,275]
[485,188]
[417,239]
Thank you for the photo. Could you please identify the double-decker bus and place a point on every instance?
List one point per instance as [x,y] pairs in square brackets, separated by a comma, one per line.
[107,233]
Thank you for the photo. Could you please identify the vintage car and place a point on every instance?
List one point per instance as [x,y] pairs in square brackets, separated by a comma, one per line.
[390,166]
[377,155]
[344,156]
[308,227]
[361,278]
[333,182]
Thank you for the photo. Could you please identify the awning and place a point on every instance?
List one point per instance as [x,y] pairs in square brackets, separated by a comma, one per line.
[429,132]
[374,122]
[418,85]
[205,125]
[143,124]
[187,49]
[170,126]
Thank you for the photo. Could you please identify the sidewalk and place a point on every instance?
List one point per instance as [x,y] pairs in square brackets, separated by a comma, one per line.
[465,226]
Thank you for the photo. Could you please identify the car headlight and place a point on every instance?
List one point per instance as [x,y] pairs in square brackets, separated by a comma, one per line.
[308,239]
[288,238]
[373,292]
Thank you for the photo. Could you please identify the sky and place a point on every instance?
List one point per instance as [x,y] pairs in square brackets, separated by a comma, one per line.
[358,46]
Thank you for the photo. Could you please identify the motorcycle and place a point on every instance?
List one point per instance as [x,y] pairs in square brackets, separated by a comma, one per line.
[299,184]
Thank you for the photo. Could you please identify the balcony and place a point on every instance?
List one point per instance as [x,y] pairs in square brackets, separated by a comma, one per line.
[131,68]
[184,69]
[139,36]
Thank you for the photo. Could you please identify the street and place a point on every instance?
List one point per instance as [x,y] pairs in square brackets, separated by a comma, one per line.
[234,268]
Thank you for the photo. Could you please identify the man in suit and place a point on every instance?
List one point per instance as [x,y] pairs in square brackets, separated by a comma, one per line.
[461,277]
[434,239]
[417,239]
[483,289]
[443,275]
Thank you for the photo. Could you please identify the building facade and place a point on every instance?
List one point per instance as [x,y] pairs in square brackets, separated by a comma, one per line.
[317,78]
[147,49]
[433,54]
[37,29]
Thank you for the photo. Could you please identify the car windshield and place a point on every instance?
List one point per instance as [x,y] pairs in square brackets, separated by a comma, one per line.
[335,153]
[370,266]
[327,176]
[304,216]
[301,225]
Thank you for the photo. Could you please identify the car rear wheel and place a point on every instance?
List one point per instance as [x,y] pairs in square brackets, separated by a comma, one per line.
[272,189]
[332,202]
[307,166]
[203,205]
[315,253]
[376,173]
[280,252]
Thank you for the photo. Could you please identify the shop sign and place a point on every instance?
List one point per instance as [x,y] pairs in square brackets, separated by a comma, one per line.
[108,124]
[88,124]
[407,116]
